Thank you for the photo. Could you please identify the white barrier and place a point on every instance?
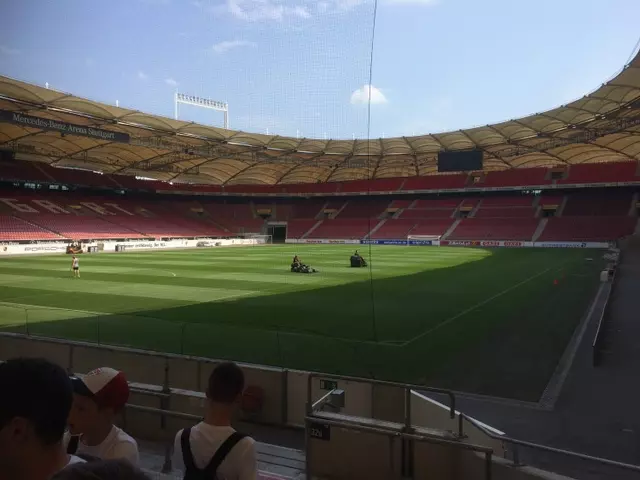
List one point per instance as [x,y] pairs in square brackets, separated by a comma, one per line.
[33,248]
[323,241]
[110,246]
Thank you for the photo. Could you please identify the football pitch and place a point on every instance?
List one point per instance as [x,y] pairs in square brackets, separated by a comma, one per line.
[494,322]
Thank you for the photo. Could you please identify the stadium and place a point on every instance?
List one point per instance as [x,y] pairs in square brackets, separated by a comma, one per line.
[496,289]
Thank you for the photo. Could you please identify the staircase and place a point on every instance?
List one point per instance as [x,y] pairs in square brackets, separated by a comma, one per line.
[540,229]
[308,232]
[376,228]
[472,213]
[451,229]
[562,205]
[344,205]
[633,208]
[38,226]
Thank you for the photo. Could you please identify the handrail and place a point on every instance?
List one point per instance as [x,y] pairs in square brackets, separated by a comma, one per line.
[406,386]
[545,448]
[597,339]
[487,451]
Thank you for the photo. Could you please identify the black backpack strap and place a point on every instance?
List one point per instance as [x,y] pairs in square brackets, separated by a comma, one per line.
[72,446]
[222,452]
[187,456]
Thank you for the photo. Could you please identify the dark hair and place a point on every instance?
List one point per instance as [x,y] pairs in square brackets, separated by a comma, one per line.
[226,382]
[39,391]
[101,470]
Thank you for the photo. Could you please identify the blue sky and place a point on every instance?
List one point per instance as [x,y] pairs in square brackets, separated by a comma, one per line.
[301,67]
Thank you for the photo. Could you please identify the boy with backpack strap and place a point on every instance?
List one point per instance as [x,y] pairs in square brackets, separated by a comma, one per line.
[212,449]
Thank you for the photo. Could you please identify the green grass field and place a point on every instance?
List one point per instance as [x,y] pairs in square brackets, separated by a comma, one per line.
[483,321]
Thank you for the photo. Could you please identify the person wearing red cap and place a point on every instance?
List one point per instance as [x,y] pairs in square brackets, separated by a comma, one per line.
[97,399]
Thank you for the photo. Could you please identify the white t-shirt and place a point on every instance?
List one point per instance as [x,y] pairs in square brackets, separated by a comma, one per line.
[73,459]
[76,263]
[205,439]
[118,444]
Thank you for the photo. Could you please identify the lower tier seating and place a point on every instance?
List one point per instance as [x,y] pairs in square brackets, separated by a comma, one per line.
[15,229]
[297,228]
[81,227]
[588,228]
[348,228]
[435,227]
[495,229]
[394,229]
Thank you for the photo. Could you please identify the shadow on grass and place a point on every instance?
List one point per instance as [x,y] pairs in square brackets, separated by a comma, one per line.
[407,328]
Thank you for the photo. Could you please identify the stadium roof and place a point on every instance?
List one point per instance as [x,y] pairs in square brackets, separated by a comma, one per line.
[601,127]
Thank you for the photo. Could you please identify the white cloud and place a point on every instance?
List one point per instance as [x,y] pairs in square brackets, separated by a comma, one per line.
[426,3]
[8,50]
[142,76]
[261,10]
[171,82]
[361,96]
[278,10]
[226,45]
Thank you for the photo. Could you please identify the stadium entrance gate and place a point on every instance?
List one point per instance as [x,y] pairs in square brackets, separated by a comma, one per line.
[278,233]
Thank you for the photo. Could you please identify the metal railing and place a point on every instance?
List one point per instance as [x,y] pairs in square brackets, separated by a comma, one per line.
[408,436]
[406,386]
[599,337]
[536,446]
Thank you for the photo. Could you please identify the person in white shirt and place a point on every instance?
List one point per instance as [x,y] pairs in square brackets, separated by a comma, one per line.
[75,266]
[213,445]
[97,398]
[35,400]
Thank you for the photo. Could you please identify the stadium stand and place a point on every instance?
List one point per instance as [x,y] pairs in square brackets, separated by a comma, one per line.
[495,229]
[395,229]
[611,203]
[594,228]
[601,173]
[80,227]
[434,227]
[15,229]
[364,208]
[516,176]
[344,228]
[435,182]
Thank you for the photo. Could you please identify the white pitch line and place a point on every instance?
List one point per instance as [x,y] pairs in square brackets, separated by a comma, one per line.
[472,308]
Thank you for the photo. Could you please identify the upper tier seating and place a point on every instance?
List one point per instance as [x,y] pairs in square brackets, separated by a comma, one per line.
[503,212]
[520,201]
[436,182]
[495,229]
[12,170]
[79,177]
[516,177]
[307,209]
[379,185]
[426,213]
[14,229]
[345,228]
[601,173]
[588,228]
[612,203]
[364,208]
[400,203]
